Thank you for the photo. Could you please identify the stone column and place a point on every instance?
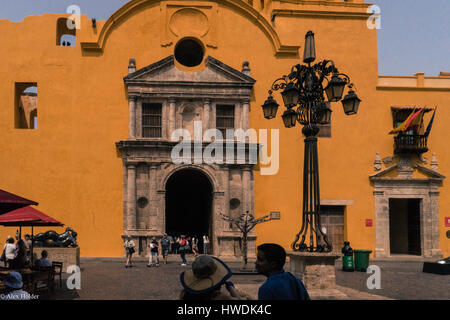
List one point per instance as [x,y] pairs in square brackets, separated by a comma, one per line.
[206,113]
[132,122]
[125,196]
[238,116]
[217,222]
[172,118]
[152,193]
[165,121]
[246,176]
[382,246]
[245,115]
[212,120]
[131,197]
[226,187]
[138,118]
[434,213]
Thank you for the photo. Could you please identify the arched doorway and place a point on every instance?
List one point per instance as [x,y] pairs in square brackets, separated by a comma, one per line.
[189,205]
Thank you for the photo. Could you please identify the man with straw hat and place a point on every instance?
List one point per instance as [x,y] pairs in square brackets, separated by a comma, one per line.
[207,280]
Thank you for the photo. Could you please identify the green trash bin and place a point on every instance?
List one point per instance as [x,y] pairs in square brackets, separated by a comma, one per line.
[362,260]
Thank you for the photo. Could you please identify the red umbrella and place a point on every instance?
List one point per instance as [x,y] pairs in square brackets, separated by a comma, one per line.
[9,202]
[27,217]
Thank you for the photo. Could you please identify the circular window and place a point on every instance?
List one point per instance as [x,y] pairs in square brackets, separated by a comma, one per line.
[142,202]
[189,52]
[234,203]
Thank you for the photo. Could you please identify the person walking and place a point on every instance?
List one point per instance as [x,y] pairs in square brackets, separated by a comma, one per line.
[280,285]
[170,238]
[176,245]
[195,246]
[205,244]
[183,246]
[165,247]
[189,244]
[129,250]
[154,248]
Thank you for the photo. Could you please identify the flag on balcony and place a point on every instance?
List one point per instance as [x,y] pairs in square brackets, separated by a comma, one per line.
[415,121]
[427,132]
[402,126]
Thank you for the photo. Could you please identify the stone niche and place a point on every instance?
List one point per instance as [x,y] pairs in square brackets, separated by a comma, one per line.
[68,256]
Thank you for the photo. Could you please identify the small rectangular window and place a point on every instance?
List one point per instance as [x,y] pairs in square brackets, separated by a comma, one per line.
[25,105]
[151,120]
[224,118]
[65,36]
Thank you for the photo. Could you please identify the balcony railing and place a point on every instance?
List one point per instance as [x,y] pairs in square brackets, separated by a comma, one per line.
[405,143]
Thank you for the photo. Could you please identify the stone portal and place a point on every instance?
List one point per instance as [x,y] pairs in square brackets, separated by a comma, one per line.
[187,194]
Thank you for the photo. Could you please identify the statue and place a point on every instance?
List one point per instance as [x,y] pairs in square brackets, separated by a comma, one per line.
[53,239]
[245,224]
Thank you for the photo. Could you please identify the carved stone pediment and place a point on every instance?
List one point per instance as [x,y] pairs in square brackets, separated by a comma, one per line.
[395,173]
[406,168]
[163,78]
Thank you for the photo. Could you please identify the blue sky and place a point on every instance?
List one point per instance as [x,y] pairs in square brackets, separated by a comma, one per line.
[414,35]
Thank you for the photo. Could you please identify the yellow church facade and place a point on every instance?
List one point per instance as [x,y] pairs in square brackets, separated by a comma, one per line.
[96,150]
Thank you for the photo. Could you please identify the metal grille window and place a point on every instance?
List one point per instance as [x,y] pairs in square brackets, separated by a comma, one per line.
[151,120]
[224,118]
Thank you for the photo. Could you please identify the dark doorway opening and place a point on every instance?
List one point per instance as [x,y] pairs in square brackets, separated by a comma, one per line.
[188,205]
[404,226]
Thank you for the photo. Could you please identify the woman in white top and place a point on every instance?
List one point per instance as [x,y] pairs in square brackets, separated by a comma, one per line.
[129,249]
[10,250]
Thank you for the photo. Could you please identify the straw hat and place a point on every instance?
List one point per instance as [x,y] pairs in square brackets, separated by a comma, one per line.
[13,280]
[207,274]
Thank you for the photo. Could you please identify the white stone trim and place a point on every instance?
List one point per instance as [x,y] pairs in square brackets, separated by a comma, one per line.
[326,202]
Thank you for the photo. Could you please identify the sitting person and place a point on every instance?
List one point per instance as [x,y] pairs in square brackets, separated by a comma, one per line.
[208,281]
[14,284]
[43,262]
[280,285]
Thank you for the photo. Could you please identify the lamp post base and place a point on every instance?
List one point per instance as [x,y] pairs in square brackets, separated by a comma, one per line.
[316,270]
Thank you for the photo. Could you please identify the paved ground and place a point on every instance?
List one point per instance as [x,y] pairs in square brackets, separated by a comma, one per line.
[401,280]
[107,278]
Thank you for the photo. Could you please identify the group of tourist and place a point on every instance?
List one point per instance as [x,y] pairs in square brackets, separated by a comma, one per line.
[14,284]
[181,245]
[16,253]
[209,277]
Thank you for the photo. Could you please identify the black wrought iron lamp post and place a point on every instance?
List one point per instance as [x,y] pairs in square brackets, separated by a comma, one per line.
[303,96]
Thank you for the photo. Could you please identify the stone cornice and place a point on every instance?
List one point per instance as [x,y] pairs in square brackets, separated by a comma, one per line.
[412,88]
[320,14]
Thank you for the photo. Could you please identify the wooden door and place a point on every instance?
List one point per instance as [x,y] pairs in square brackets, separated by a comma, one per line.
[332,221]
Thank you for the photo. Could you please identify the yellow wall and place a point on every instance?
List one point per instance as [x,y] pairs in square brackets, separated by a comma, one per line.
[70,164]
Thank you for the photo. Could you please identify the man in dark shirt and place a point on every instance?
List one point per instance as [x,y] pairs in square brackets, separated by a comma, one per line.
[280,285]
